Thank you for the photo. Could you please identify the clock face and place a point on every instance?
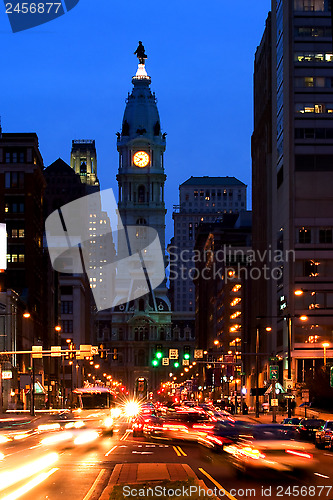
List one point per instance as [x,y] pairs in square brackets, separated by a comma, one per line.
[141,159]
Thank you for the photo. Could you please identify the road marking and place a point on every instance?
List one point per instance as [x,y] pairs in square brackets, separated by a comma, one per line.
[177,451]
[125,436]
[90,492]
[182,451]
[225,492]
[321,475]
[30,485]
[110,451]
[143,452]
[328,454]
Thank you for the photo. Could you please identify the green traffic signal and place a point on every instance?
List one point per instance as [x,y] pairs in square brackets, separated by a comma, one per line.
[159,355]
[176,364]
[155,362]
[186,356]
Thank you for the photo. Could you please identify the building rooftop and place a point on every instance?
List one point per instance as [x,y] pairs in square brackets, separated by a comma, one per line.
[212,181]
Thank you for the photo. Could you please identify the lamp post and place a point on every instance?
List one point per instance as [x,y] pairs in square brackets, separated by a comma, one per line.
[325,346]
[257,372]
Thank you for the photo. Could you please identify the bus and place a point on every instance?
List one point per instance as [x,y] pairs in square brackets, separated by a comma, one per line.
[95,405]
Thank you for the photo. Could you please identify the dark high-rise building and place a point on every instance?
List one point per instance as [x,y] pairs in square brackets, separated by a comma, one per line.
[21,207]
[292,151]
[223,302]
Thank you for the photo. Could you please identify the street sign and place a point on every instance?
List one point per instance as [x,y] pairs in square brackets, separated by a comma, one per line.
[94,350]
[198,353]
[186,362]
[37,351]
[6,374]
[55,351]
[274,372]
[274,402]
[173,353]
[165,361]
[85,350]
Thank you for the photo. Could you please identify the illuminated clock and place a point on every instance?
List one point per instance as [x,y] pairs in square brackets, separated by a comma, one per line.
[141,159]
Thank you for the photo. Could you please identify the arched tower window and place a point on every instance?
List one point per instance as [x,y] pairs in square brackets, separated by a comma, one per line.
[141,194]
[141,222]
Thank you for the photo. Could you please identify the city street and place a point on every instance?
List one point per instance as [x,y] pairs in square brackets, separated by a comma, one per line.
[40,471]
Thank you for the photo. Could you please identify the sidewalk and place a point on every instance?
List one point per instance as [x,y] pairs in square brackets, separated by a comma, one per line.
[152,473]
[266,418]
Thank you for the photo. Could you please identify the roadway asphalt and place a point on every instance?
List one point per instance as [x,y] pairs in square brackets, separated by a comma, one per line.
[82,472]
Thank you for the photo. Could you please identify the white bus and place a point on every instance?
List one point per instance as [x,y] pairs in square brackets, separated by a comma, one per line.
[95,406]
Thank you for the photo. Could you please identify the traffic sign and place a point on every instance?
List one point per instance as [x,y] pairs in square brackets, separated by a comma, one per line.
[94,350]
[274,402]
[37,351]
[186,362]
[55,351]
[198,353]
[165,361]
[173,353]
[85,350]
[274,372]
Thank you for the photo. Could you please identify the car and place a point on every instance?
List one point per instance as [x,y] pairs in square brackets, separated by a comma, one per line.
[226,432]
[146,414]
[271,448]
[324,435]
[308,427]
[292,422]
[180,425]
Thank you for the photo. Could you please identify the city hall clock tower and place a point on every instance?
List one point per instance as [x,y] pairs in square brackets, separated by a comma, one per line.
[141,147]
[142,326]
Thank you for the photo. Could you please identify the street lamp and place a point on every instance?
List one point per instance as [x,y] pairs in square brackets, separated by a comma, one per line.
[325,346]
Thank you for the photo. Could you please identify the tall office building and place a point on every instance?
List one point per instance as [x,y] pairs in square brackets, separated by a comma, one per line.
[201,199]
[292,151]
[21,197]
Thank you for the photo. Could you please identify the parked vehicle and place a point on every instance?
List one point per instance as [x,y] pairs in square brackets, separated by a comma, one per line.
[324,435]
[308,427]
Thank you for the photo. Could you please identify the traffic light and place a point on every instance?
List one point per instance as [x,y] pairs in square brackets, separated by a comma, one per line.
[187,352]
[115,354]
[159,352]
[331,376]
[154,362]
[101,352]
[176,364]
[71,351]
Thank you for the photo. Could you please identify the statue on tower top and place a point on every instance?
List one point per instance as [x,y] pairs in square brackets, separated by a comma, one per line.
[140,53]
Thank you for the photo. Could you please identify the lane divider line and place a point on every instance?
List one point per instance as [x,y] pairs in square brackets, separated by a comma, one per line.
[225,492]
[127,433]
[321,475]
[182,451]
[92,489]
[110,451]
[177,451]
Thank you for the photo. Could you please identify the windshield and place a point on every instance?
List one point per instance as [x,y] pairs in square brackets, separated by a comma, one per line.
[95,401]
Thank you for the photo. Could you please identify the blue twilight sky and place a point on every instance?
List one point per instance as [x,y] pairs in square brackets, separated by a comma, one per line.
[69,78]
